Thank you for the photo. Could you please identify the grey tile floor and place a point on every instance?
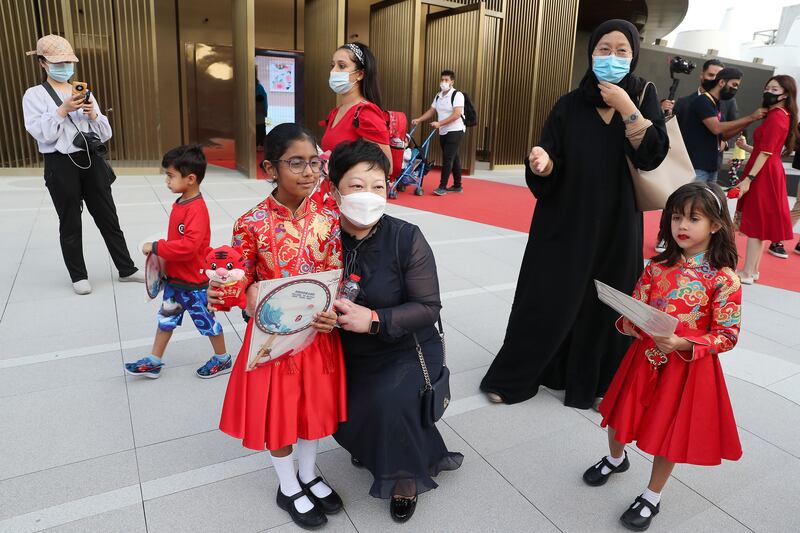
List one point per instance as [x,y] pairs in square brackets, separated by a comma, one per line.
[85,449]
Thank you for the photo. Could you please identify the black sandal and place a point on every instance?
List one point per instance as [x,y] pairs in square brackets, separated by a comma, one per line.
[632,518]
[330,504]
[594,476]
[310,519]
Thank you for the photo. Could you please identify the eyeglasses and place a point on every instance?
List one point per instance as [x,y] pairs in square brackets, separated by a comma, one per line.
[298,166]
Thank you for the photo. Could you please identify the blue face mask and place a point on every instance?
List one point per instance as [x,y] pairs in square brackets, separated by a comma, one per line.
[61,71]
[611,68]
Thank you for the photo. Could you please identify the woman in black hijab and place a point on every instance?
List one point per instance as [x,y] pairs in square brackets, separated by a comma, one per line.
[585,227]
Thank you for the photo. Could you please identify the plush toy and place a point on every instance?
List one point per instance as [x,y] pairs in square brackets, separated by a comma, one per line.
[225,265]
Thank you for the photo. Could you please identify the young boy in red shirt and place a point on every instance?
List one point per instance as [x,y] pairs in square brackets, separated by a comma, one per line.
[183,252]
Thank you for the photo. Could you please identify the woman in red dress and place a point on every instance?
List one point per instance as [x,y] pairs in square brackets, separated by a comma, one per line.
[354,76]
[669,394]
[297,399]
[762,206]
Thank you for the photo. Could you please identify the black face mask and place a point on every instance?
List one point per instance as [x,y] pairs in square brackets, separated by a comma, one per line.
[727,93]
[770,99]
[708,84]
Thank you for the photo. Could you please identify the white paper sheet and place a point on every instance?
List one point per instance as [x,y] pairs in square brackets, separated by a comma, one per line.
[653,322]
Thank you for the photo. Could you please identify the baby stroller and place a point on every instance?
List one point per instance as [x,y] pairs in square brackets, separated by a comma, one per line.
[415,166]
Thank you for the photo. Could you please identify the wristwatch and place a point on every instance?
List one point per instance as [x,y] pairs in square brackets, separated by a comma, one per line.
[375,325]
[751,177]
[632,118]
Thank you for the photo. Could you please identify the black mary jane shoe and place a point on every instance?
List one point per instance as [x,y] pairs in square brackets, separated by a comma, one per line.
[312,519]
[594,476]
[401,509]
[355,462]
[632,518]
[330,504]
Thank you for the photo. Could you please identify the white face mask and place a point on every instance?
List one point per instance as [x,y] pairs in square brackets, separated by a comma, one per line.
[444,86]
[340,83]
[362,209]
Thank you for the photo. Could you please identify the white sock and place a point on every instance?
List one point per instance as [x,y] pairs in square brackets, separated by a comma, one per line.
[306,462]
[284,468]
[652,497]
[616,461]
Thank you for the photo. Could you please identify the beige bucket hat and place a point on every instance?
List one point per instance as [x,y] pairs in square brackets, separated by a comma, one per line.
[55,49]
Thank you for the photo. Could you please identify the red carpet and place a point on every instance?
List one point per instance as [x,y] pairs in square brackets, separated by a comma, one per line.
[511,207]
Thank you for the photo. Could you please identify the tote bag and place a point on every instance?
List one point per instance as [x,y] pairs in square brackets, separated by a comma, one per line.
[653,187]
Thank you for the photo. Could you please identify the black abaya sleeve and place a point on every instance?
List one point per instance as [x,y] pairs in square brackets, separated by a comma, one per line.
[655,144]
[421,289]
[552,140]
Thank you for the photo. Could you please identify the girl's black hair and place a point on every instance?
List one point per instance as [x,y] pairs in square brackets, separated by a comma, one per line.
[708,199]
[280,137]
[369,66]
[346,155]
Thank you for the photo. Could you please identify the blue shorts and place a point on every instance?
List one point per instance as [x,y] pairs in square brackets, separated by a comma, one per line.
[177,301]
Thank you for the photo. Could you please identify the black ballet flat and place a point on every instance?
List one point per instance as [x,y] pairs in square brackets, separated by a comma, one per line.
[594,476]
[632,518]
[401,509]
[356,463]
[330,504]
[312,519]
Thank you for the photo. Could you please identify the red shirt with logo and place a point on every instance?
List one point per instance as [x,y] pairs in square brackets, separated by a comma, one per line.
[188,239]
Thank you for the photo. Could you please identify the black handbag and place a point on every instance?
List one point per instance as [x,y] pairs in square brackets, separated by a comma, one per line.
[436,395]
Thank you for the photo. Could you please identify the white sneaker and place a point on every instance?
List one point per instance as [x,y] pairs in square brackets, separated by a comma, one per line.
[136,277]
[661,247]
[596,404]
[82,287]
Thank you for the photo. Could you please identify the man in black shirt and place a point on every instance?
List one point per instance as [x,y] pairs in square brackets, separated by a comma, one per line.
[703,126]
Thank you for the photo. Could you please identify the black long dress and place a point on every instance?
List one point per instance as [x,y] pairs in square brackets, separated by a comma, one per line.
[585,227]
[384,412]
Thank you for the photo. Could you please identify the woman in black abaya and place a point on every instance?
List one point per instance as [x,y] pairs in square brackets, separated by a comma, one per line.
[585,227]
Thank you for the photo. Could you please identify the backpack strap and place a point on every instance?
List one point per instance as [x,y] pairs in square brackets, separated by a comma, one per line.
[644,90]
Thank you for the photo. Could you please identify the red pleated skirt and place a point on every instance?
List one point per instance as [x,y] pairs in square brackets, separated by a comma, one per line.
[682,413]
[299,396]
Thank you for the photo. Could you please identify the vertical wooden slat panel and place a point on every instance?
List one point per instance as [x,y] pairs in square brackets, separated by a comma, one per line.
[454,40]
[324,20]
[390,24]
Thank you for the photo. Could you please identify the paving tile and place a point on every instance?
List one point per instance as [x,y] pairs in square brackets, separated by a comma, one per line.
[463,353]
[55,486]
[126,520]
[712,520]
[766,414]
[791,355]
[551,479]
[466,383]
[175,405]
[789,388]
[766,504]
[499,427]
[772,324]
[244,503]
[780,300]
[52,428]
[51,375]
[188,453]
[757,368]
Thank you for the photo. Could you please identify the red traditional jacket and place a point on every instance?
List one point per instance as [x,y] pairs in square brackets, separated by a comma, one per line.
[277,244]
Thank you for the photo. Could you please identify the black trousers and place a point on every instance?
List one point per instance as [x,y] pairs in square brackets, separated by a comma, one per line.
[69,188]
[450,143]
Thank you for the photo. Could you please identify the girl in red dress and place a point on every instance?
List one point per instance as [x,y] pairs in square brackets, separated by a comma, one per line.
[297,399]
[669,394]
[762,205]
[354,76]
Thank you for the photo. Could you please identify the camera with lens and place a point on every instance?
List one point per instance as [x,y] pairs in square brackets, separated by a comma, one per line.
[679,65]
[95,146]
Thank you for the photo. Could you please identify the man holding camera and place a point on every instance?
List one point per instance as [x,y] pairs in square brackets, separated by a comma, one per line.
[70,131]
[728,109]
[703,127]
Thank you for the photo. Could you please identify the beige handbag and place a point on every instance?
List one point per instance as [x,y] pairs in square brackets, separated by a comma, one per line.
[653,187]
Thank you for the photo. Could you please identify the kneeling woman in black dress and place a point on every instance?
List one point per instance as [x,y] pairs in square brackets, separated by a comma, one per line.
[399,297]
